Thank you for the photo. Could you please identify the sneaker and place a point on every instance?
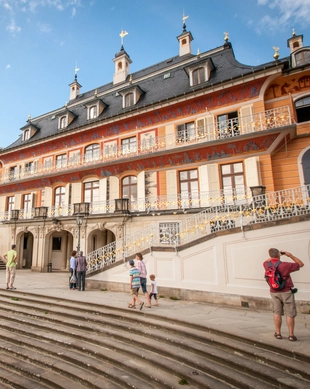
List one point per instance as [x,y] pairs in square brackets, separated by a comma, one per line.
[7,287]
[12,288]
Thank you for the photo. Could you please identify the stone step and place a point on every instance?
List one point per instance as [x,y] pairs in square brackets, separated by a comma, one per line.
[165,350]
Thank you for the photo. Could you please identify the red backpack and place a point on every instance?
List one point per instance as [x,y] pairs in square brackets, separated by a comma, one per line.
[273,277]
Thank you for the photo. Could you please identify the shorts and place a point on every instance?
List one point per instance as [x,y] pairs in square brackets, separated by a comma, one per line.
[134,291]
[143,284]
[153,294]
[284,303]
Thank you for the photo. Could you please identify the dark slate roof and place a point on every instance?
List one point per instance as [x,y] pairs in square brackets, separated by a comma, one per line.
[156,88]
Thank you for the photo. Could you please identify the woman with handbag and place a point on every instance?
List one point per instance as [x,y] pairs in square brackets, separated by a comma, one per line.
[73,278]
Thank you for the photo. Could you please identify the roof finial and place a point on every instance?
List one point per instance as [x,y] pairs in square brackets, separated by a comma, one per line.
[198,53]
[184,25]
[276,54]
[293,32]
[226,37]
[29,118]
[122,34]
[75,71]
[96,92]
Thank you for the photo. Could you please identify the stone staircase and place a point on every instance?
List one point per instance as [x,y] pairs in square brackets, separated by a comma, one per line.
[49,342]
[2,264]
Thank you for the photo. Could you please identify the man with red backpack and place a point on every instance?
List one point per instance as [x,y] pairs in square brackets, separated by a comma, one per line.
[282,293]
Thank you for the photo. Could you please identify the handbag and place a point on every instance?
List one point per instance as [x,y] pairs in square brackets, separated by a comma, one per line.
[73,279]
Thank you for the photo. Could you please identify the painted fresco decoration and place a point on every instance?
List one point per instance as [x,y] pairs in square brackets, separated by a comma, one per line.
[217,99]
[291,85]
[217,152]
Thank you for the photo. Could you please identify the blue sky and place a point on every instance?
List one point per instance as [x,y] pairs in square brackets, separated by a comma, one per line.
[42,40]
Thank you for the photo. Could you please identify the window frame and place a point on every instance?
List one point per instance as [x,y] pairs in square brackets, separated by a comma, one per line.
[91,191]
[130,185]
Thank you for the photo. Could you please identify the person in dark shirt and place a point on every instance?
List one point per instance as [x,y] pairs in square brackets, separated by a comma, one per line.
[283,300]
[81,266]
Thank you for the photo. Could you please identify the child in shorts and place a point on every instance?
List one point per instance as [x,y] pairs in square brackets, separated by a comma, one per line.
[134,277]
[153,289]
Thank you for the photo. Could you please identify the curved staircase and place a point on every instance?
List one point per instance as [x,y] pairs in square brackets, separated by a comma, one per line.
[49,342]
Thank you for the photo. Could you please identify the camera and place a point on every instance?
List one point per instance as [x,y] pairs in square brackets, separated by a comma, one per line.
[282,252]
[294,290]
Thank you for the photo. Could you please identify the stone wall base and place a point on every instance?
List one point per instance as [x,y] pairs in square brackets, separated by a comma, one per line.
[228,300]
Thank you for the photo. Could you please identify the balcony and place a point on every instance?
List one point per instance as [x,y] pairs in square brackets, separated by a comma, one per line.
[233,128]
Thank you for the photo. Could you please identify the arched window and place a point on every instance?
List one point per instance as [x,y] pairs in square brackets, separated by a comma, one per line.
[302,107]
[92,152]
[63,122]
[129,188]
[60,195]
[129,99]
[93,112]
[199,76]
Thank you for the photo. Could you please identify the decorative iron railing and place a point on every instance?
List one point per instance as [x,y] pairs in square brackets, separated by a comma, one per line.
[268,207]
[273,118]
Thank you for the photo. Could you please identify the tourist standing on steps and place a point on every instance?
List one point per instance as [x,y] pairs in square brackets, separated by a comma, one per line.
[73,269]
[134,283]
[81,265]
[283,300]
[142,269]
[11,260]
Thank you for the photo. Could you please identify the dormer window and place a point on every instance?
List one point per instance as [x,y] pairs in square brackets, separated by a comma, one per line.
[129,100]
[200,72]
[199,76]
[28,131]
[131,96]
[95,108]
[65,118]
[302,57]
[93,112]
[26,134]
[63,122]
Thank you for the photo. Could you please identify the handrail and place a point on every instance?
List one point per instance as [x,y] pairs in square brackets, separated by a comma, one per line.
[232,128]
[266,207]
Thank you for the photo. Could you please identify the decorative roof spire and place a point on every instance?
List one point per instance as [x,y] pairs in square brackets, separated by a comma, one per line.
[276,54]
[76,71]
[122,35]
[226,37]
[293,32]
[184,25]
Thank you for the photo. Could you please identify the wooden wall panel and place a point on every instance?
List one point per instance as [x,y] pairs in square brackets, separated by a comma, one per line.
[285,164]
[265,164]
[162,183]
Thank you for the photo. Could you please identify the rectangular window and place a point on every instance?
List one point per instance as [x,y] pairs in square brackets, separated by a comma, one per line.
[185,132]
[233,181]
[56,244]
[189,188]
[13,173]
[61,161]
[91,192]
[129,145]
[27,202]
[228,125]
[10,203]
[29,168]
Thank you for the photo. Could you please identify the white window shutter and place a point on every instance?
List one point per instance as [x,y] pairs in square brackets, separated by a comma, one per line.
[246,116]
[210,127]
[2,205]
[76,192]
[200,128]
[141,191]
[209,182]
[48,196]
[172,189]
[103,193]
[114,189]
[252,171]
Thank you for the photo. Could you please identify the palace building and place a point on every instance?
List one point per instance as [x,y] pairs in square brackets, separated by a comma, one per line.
[178,160]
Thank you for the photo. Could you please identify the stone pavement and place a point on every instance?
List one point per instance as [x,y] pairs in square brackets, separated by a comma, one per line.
[255,325]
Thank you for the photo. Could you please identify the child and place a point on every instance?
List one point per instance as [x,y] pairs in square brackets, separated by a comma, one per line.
[154,289]
[134,279]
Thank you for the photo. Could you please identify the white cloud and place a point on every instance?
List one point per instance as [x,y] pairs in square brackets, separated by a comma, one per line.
[8,66]
[44,27]
[284,14]
[73,12]
[12,27]
[7,6]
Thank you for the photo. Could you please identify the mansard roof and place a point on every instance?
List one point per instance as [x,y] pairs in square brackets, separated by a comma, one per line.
[160,82]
